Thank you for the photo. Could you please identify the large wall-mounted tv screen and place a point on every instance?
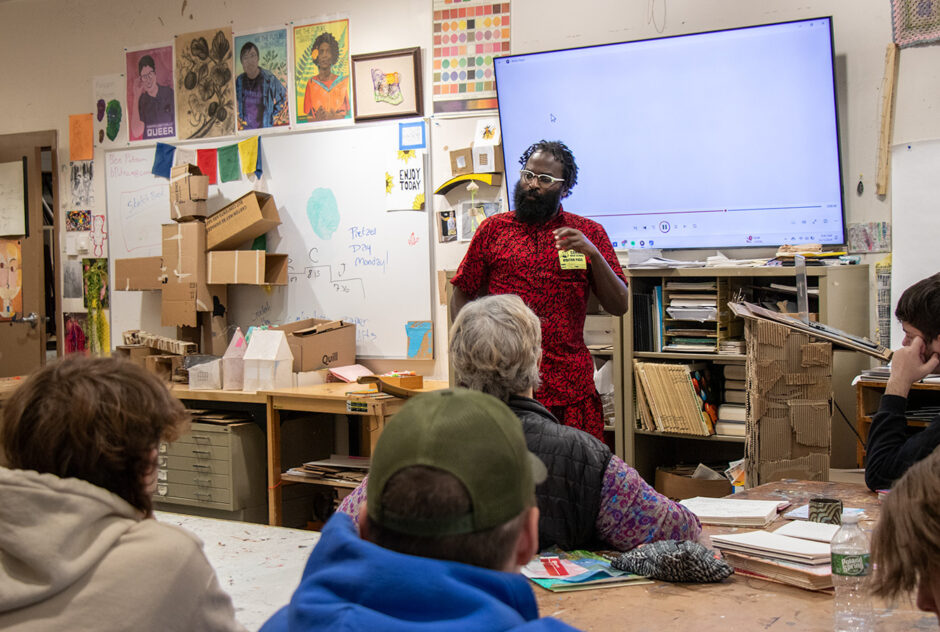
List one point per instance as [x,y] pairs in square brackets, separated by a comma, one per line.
[720,139]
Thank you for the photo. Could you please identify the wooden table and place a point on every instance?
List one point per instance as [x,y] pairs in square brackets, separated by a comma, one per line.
[738,603]
[335,398]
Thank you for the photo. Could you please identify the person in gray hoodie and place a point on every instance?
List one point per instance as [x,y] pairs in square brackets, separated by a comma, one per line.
[79,548]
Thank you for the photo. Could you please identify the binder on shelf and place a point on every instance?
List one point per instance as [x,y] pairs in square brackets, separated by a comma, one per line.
[674,403]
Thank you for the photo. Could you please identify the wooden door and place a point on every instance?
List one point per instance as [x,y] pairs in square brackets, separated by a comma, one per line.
[23,343]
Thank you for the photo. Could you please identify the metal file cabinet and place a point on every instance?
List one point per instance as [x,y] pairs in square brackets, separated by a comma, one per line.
[213,466]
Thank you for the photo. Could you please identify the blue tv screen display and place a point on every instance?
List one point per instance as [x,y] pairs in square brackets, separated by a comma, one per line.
[721,139]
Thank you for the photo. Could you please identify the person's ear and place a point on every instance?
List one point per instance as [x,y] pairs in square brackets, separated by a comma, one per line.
[528,542]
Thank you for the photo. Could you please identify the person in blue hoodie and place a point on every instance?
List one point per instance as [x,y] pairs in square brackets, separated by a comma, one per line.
[450,519]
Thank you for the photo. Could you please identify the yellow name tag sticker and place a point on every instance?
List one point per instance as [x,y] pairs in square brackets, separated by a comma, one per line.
[572,260]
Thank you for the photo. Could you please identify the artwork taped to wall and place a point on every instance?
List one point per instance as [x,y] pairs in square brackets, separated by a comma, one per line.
[77,220]
[321,71]
[447,226]
[261,79]
[81,137]
[11,279]
[110,114]
[97,302]
[420,339]
[72,287]
[869,237]
[404,182]
[83,188]
[915,22]
[205,97]
[151,101]
[467,36]
[472,215]
[76,326]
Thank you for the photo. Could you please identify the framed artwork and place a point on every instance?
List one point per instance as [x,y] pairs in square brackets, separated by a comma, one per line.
[387,84]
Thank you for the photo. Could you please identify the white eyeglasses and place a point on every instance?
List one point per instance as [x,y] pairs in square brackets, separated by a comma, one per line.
[543,178]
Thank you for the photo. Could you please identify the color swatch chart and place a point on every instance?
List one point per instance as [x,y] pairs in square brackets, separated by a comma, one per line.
[467,36]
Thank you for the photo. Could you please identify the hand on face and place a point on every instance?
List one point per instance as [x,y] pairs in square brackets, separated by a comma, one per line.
[909,364]
[572,239]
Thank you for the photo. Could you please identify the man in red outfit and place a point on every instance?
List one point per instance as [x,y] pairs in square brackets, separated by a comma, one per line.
[552,260]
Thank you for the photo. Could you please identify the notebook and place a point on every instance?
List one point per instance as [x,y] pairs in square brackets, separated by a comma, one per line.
[782,547]
[732,512]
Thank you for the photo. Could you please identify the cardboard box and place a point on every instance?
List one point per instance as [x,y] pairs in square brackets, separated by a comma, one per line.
[250,216]
[318,344]
[678,484]
[461,161]
[163,366]
[268,361]
[188,183]
[487,158]
[186,291]
[135,353]
[188,210]
[140,273]
[250,267]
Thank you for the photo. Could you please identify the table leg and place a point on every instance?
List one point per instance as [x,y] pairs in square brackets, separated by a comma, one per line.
[274,465]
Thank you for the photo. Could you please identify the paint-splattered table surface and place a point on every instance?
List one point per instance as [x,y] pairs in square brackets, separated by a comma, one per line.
[258,565]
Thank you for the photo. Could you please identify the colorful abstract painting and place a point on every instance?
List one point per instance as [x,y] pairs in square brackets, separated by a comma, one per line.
[467,36]
[261,79]
[321,71]
[205,97]
[77,220]
[151,101]
[11,278]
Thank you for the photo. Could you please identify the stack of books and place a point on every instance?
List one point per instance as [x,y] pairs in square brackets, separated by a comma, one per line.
[732,346]
[797,553]
[351,469]
[732,413]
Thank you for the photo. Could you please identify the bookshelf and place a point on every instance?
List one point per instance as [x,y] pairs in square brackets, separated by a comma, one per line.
[869,394]
[838,297]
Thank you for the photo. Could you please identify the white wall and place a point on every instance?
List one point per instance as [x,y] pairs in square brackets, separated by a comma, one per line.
[52,49]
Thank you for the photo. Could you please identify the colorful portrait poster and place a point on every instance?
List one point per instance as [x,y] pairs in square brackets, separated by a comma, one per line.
[110,116]
[205,97]
[11,278]
[321,71]
[261,79]
[150,98]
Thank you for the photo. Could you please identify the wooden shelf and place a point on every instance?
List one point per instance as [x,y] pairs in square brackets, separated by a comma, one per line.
[326,482]
[678,435]
[675,355]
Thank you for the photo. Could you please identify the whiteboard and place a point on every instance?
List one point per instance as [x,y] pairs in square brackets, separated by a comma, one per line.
[348,258]
[916,225]
[12,199]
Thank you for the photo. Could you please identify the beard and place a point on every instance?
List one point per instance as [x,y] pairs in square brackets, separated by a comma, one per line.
[535,206]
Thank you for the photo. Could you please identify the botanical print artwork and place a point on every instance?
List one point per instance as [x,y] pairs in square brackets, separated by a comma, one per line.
[205,100]
[321,71]
[95,277]
[150,97]
[261,79]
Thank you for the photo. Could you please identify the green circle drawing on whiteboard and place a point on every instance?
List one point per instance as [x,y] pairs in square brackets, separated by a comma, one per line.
[322,213]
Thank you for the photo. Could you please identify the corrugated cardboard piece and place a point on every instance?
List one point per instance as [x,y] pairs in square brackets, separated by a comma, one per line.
[250,267]
[140,273]
[318,344]
[789,383]
[250,216]
[187,183]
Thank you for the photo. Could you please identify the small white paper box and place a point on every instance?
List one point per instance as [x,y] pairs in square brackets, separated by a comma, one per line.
[233,362]
[268,361]
[206,376]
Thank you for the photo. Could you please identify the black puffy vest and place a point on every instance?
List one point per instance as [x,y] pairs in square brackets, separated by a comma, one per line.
[569,499]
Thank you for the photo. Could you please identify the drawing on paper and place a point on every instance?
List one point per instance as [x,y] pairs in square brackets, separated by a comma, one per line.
[204,94]
[869,237]
[110,123]
[321,71]
[72,286]
[387,87]
[82,179]
[77,221]
[75,337]
[150,97]
[447,226]
[404,181]
[472,215]
[323,213]
[11,278]
[261,79]
[95,281]
[420,339]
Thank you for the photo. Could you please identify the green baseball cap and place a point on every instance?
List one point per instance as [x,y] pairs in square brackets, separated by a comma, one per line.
[470,435]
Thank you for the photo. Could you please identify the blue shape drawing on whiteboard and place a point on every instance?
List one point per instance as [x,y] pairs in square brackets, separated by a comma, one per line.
[323,213]
[418,331]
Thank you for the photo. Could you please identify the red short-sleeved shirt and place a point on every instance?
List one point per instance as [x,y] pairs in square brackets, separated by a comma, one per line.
[509,257]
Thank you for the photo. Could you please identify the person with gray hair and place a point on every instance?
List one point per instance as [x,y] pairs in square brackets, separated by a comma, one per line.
[591,497]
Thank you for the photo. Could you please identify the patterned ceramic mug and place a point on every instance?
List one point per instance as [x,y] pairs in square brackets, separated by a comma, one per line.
[828,510]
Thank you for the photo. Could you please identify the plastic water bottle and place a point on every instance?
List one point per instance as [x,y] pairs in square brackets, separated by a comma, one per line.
[852,610]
